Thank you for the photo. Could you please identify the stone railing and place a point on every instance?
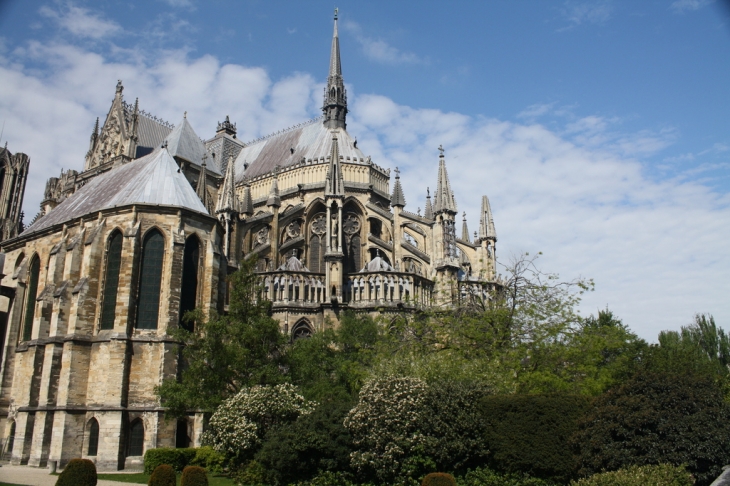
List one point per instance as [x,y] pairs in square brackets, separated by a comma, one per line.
[377,288]
[283,287]
[475,291]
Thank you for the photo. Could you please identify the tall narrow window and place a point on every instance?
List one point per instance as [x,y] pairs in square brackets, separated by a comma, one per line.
[111,281]
[317,245]
[11,439]
[34,272]
[182,439]
[150,275]
[136,438]
[189,292]
[93,437]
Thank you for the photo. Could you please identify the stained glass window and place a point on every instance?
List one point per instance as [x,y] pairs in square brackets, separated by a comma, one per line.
[150,277]
[111,281]
[189,292]
[35,269]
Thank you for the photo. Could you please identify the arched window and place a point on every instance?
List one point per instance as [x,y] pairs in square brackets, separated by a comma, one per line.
[301,330]
[189,291]
[351,229]
[182,439]
[111,280]
[93,437]
[136,438]
[317,245]
[11,439]
[150,276]
[32,294]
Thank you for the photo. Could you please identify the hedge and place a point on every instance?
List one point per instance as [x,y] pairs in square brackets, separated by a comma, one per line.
[664,474]
[177,458]
[438,479]
[78,472]
[163,475]
[194,476]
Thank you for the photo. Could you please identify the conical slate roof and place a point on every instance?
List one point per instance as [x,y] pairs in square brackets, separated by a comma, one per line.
[444,197]
[152,179]
[397,198]
[184,143]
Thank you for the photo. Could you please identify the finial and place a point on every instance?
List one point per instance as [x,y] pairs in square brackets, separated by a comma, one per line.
[419,211]
[185,115]
[164,144]
[441,149]
[428,192]
[120,88]
[336,10]
[397,173]
[205,157]
[464,216]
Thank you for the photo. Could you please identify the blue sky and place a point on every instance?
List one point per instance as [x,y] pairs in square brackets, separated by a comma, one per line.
[599,129]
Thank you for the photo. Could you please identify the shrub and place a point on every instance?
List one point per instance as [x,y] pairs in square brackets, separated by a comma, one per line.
[209,459]
[163,475]
[78,472]
[663,474]
[530,434]
[486,477]
[657,419]
[438,479]
[238,426]
[194,476]
[313,443]
[176,458]
[329,478]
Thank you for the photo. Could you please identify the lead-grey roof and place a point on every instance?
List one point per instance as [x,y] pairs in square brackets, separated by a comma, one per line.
[310,141]
[184,143]
[153,179]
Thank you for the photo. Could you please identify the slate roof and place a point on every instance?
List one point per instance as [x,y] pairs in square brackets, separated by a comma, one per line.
[153,179]
[184,143]
[724,478]
[150,132]
[310,141]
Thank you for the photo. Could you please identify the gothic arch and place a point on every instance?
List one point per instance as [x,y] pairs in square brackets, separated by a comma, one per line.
[92,441]
[34,270]
[189,290]
[150,279]
[135,438]
[315,236]
[302,329]
[114,246]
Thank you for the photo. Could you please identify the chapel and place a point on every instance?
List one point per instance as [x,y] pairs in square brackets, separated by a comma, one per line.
[151,226]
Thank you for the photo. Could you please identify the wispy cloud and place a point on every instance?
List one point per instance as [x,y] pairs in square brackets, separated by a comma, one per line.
[586,12]
[380,51]
[81,22]
[180,4]
[682,6]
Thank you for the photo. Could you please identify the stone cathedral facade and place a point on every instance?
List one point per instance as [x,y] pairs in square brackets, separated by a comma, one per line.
[151,227]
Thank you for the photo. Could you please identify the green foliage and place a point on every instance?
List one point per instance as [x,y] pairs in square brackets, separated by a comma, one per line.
[313,443]
[78,472]
[163,475]
[329,478]
[176,458]
[438,479]
[657,418]
[662,474]
[209,459]
[227,353]
[486,477]
[251,473]
[530,433]
[194,476]
[239,424]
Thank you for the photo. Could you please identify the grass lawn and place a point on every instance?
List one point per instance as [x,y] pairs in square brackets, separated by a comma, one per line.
[141,478]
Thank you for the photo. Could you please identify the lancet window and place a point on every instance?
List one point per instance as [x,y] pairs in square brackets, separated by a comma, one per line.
[352,246]
[135,446]
[34,271]
[189,291]
[111,280]
[93,438]
[150,277]
[317,244]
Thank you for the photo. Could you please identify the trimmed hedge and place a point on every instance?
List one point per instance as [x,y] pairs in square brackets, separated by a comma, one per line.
[483,476]
[177,458]
[163,475]
[438,479]
[664,474]
[530,434]
[78,472]
[194,476]
[209,459]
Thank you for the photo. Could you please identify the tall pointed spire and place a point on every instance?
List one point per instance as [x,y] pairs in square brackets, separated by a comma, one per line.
[445,201]
[486,222]
[464,229]
[334,184]
[227,195]
[428,212]
[335,95]
[397,199]
[201,190]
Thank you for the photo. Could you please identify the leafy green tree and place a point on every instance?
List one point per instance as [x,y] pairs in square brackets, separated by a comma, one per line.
[657,418]
[225,354]
[663,474]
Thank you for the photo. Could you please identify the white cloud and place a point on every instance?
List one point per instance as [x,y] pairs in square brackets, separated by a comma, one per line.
[578,192]
[682,6]
[80,21]
[380,51]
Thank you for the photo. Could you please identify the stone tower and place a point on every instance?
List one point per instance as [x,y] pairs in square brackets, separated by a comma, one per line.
[13,175]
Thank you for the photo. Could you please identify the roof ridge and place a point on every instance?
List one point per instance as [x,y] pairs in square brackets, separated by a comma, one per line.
[286,130]
[129,107]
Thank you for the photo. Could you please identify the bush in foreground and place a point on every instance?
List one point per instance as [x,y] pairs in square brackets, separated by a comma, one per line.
[78,472]
[663,474]
[175,458]
[486,477]
[194,476]
[163,475]
[438,479]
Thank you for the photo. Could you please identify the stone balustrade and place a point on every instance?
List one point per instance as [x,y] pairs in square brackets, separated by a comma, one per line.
[387,287]
[282,287]
[476,291]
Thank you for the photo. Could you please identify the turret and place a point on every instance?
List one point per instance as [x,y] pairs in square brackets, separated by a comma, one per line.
[428,213]
[397,199]
[464,228]
[335,95]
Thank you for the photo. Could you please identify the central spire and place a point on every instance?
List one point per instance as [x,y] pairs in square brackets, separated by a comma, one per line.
[335,96]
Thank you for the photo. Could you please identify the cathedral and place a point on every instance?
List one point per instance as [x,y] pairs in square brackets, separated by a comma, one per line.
[152,226]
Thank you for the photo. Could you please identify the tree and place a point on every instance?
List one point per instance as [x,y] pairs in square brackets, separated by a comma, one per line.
[657,418]
[224,354]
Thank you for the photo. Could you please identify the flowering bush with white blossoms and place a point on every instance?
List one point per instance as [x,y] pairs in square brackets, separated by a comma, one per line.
[239,424]
[386,427]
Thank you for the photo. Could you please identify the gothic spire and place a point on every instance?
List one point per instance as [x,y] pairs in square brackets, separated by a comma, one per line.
[334,184]
[227,194]
[486,223]
[397,199]
[428,212]
[445,201]
[335,96]
[201,189]
[274,199]
[464,229]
